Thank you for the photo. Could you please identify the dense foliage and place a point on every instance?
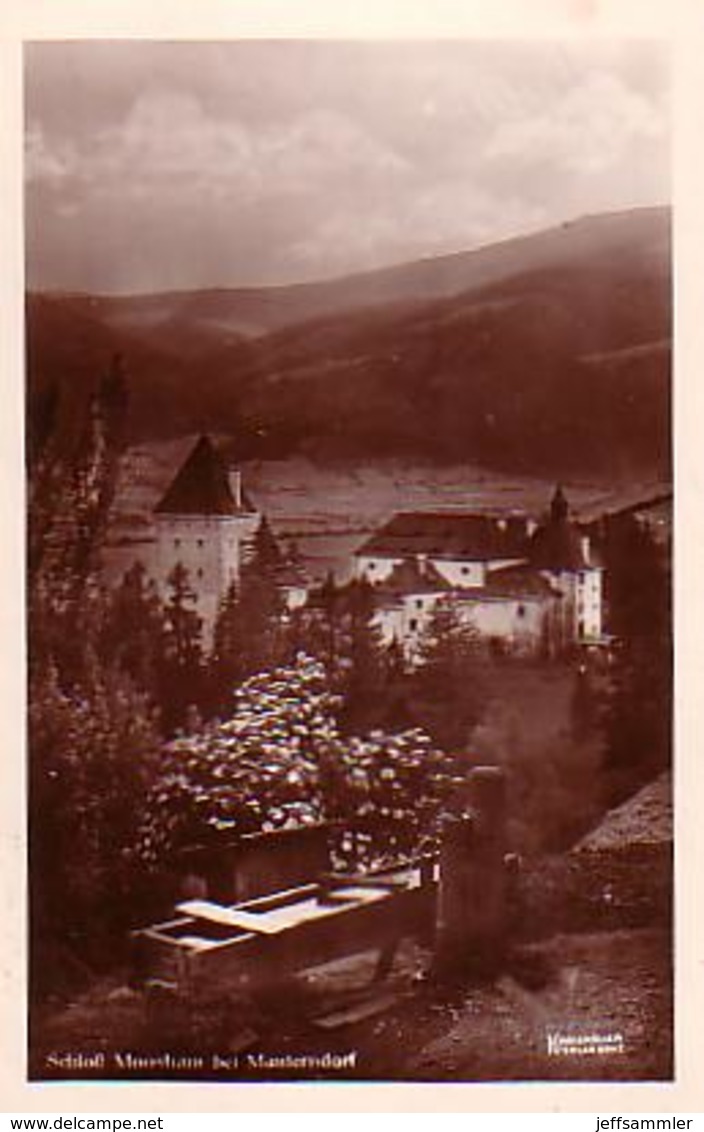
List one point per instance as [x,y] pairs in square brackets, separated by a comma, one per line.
[638,710]
[281,761]
[325,724]
[93,748]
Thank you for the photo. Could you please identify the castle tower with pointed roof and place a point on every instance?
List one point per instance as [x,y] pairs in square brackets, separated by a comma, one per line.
[204,521]
[563,554]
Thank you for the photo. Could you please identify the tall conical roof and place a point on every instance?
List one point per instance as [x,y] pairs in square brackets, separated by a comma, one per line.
[201,486]
[558,543]
[559,507]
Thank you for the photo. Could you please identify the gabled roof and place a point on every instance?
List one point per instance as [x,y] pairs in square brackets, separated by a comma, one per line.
[558,545]
[644,819]
[409,577]
[201,486]
[450,534]
[515,581]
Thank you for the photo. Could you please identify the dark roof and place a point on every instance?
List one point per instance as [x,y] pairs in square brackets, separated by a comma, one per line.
[644,819]
[557,545]
[515,581]
[449,534]
[292,575]
[409,577]
[511,582]
[201,486]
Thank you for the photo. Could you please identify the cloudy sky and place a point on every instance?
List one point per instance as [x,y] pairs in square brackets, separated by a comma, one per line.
[161,165]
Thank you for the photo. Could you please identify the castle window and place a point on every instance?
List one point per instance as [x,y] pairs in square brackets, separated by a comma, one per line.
[200,542]
[413,625]
[177,543]
[521,611]
[419,603]
[200,573]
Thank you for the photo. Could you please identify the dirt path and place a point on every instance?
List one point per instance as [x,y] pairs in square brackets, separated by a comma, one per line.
[611,984]
[614,985]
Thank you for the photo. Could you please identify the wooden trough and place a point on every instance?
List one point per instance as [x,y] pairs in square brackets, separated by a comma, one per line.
[260,941]
[239,940]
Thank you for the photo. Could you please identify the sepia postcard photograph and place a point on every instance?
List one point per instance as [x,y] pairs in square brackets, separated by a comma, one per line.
[349,524]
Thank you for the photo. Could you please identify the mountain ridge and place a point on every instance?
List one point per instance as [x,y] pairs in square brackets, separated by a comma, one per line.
[430,276]
[555,353]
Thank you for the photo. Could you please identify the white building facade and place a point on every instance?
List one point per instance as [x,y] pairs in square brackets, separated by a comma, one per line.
[524,587]
[205,526]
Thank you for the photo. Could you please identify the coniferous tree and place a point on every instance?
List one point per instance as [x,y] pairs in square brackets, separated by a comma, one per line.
[181,675]
[225,666]
[133,635]
[249,632]
[362,676]
[91,733]
[584,705]
[330,606]
[262,606]
[92,759]
[337,626]
[396,694]
[447,693]
[638,711]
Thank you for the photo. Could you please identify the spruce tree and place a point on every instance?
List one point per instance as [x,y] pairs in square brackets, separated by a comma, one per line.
[249,632]
[181,675]
[638,710]
[133,635]
[446,685]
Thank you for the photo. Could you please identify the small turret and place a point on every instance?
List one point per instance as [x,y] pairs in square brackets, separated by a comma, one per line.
[559,507]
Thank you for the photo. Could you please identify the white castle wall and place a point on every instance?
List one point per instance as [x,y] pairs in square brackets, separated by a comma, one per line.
[211,548]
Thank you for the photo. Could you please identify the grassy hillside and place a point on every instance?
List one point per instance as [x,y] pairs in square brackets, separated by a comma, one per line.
[546,353]
[218,315]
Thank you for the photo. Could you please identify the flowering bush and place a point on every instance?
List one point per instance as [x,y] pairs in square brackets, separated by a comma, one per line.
[387,795]
[280,761]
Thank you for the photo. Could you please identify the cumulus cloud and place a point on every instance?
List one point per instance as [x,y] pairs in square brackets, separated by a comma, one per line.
[594,126]
[46,163]
[201,164]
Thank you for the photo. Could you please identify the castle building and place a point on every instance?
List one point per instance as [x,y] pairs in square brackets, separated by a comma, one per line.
[205,522]
[564,556]
[527,587]
[463,548]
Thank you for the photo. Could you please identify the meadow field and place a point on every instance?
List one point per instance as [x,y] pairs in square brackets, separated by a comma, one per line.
[328,509]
